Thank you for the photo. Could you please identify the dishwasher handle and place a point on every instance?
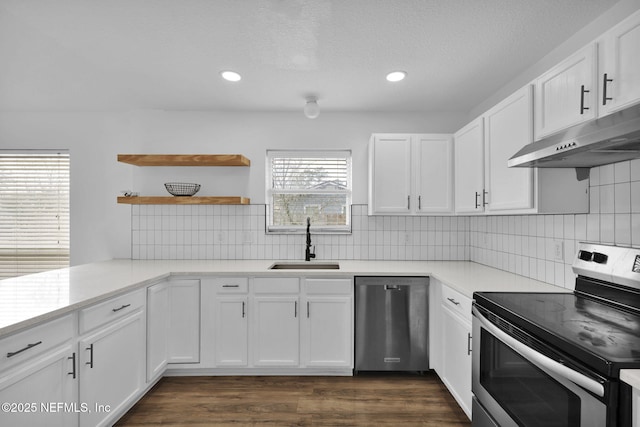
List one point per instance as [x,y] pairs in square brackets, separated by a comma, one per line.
[391,287]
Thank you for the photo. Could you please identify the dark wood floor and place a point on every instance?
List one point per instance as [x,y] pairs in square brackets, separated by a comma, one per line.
[364,400]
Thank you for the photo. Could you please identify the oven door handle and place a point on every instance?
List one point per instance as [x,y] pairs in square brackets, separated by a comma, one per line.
[540,359]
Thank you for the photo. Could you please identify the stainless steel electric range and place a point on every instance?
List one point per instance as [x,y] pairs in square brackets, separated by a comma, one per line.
[554,359]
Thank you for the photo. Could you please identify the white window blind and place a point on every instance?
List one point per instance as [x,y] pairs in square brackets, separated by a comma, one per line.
[34,212]
[309,184]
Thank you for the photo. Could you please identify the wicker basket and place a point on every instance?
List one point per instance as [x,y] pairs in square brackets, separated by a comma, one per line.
[182,188]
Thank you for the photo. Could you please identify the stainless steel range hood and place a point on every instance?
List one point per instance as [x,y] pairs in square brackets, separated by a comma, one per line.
[610,139]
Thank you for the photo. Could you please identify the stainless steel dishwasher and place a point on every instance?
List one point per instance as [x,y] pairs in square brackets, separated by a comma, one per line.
[392,330]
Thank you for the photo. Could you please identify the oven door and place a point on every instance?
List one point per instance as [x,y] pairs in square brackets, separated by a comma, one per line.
[520,386]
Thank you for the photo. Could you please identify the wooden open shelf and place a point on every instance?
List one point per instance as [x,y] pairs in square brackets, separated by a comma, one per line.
[184,159]
[184,200]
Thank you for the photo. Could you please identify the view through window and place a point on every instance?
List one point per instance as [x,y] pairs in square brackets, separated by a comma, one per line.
[34,212]
[309,184]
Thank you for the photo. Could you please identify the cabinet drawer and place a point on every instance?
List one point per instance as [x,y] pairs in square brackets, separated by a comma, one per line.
[456,302]
[329,286]
[231,285]
[36,340]
[277,285]
[110,310]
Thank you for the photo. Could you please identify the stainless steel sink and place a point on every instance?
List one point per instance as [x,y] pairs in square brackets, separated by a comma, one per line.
[305,266]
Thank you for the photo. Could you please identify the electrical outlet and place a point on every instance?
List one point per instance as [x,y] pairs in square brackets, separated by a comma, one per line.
[558,250]
[407,238]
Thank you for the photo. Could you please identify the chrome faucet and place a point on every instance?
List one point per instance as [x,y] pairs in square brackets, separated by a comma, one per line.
[307,253]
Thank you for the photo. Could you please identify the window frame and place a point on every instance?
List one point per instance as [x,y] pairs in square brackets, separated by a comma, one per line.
[270,228]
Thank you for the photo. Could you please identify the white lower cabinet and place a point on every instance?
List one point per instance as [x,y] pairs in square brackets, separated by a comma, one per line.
[184,321]
[328,323]
[112,369]
[42,392]
[271,325]
[157,329]
[231,330]
[276,322]
[455,346]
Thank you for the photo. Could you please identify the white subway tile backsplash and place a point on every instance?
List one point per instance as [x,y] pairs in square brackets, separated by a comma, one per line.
[622,172]
[614,218]
[522,244]
[606,174]
[622,197]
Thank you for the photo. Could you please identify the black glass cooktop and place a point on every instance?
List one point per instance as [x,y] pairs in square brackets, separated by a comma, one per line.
[598,334]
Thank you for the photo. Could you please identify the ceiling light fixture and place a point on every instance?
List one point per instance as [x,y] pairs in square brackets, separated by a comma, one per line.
[396,76]
[230,76]
[311,108]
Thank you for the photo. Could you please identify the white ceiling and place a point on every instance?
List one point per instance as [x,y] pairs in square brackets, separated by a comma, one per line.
[74,55]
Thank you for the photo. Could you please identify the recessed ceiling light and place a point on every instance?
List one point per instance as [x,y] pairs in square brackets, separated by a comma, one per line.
[231,76]
[396,76]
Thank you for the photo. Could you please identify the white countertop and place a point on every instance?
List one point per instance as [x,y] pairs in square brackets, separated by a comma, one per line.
[28,300]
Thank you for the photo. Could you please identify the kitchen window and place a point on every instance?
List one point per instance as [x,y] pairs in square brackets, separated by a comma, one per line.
[308,184]
[34,212]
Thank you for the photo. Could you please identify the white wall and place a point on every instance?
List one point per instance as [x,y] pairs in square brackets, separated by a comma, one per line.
[101,229]
[589,33]
[252,134]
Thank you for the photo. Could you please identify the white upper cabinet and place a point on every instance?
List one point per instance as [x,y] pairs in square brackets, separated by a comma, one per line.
[508,127]
[390,174]
[484,182]
[619,71]
[433,173]
[469,167]
[410,174]
[567,94]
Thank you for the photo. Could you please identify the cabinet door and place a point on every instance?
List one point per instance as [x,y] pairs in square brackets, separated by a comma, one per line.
[276,331]
[508,127]
[469,167]
[46,382]
[157,329]
[620,73]
[112,369]
[231,331]
[456,358]
[566,95]
[329,341]
[184,321]
[433,166]
[390,174]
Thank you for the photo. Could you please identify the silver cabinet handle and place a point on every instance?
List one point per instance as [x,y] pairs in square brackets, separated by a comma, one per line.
[408,202]
[243,312]
[121,308]
[295,309]
[90,362]
[477,204]
[582,92]
[484,198]
[540,359]
[469,343]
[391,287]
[419,203]
[453,301]
[11,354]
[308,311]
[230,286]
[605,98]
[73,365]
